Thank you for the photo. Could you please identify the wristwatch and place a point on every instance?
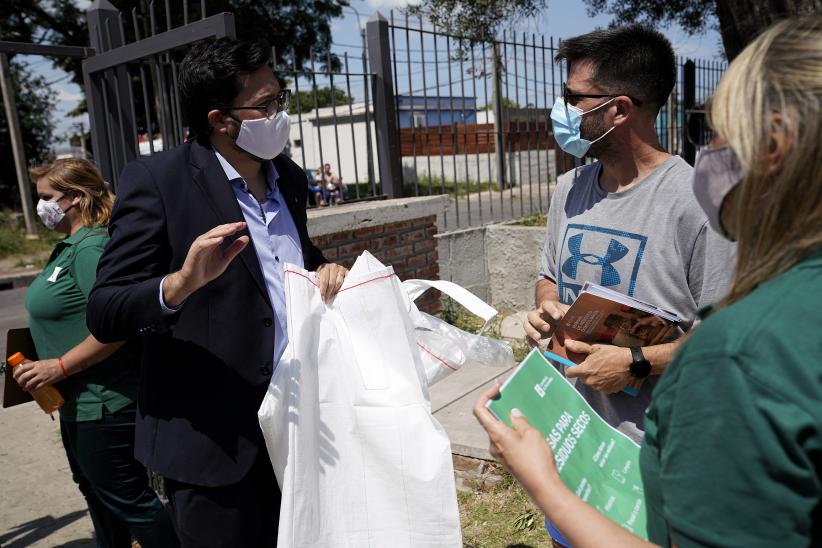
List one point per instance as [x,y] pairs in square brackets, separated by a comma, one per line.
[640,367]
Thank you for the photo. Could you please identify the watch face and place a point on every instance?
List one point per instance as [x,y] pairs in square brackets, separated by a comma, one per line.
[640,369]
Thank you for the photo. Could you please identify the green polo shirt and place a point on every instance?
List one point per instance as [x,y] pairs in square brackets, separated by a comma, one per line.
[56,303]
[733,442]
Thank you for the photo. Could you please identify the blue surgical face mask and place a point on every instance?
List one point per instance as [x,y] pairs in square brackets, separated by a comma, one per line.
[567,120]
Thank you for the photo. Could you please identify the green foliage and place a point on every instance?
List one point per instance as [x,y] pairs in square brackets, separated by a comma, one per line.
[436,185]
[325,98]
[527,521]
[738,21]
[476,20]
[538,219]
[13,241]
[506,104]
[35,104]
[296,29]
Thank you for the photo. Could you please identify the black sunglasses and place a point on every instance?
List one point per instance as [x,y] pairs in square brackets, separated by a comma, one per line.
[566,97]
[276,105]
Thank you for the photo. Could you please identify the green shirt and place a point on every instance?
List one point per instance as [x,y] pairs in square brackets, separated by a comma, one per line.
[733,446]
[56,303]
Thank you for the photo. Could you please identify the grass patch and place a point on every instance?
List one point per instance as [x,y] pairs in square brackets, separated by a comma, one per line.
[13,241]
[539,220]
[458,316]
[501,516]
[436,185]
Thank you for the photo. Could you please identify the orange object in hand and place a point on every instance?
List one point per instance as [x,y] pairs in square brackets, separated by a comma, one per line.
[47,397]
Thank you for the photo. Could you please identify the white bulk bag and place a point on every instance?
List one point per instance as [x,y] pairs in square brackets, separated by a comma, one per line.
[359,458]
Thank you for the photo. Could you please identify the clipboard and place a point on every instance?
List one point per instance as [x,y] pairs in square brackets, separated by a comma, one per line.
[17,340]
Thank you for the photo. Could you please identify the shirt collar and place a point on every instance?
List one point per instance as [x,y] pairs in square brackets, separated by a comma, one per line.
[235,178]
[79,235]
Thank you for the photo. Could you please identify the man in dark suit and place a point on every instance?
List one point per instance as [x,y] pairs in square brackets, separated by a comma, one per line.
[213,328]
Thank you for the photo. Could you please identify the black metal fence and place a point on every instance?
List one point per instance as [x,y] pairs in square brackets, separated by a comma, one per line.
[412,112]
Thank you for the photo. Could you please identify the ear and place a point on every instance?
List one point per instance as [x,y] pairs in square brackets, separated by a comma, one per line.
[780,145]
[219,120]
[624,109]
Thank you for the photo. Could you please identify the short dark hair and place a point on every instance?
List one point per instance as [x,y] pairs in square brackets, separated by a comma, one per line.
[208,76]
[634,60]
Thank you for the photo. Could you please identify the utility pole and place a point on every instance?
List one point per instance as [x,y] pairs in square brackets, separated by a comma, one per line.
[17,146]
[499,127]
[83,140]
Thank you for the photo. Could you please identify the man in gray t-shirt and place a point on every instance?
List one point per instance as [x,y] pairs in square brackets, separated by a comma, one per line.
[629,222]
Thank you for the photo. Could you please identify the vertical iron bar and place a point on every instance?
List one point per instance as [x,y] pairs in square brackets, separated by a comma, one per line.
[519,120]
[368,145]
[143,87]
[202,9]
[396,97]
[299,105]
[541,134]
[476,131]
[486,132]
[351,122]
[185,12]
[176,109]
[411,99]
[507,127]
[527,116]
[464,132]
[317,111]
[425,102]
[453,129]
[439,124]
[168,15]
[334,119]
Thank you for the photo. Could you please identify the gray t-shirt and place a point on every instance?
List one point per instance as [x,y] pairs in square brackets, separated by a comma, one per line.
[651,242]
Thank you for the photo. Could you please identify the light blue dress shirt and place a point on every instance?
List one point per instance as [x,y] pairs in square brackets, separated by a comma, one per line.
[275,240]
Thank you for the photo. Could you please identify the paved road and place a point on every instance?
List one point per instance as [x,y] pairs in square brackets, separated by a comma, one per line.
[41,505]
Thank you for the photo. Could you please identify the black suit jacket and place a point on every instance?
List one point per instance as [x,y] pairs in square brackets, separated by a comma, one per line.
[205,368]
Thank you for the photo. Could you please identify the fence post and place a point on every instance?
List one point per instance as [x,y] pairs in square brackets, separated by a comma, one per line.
[688,103]
[499,131]
[385,117]
[113,129]
[18,151]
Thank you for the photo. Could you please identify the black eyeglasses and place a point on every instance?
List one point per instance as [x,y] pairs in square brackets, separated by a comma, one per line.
[278,104]
[569,98]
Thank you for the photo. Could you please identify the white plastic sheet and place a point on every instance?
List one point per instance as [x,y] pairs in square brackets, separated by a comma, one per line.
[359,458]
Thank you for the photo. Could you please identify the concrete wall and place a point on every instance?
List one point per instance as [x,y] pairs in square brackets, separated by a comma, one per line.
[498,263]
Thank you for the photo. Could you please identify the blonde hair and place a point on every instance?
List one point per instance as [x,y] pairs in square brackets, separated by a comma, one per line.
[776,218]
[82,177]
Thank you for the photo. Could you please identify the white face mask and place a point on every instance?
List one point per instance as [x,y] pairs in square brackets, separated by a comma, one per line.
[50,213]
[264,138]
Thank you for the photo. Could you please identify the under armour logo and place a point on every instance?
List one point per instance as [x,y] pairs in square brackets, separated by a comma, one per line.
[610,275]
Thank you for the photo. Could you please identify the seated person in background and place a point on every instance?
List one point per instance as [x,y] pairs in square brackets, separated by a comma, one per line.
[332,185]
[315,195]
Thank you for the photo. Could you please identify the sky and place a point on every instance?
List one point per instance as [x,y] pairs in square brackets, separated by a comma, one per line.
[562,18]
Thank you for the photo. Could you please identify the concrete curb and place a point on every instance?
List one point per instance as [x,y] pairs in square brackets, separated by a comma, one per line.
[16,280]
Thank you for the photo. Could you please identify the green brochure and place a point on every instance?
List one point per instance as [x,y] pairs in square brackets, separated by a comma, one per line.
[595,460]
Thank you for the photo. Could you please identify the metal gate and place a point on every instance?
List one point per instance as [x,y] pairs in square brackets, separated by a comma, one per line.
[131,81]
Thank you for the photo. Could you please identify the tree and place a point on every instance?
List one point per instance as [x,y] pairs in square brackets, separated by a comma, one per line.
[324,99]
[35,103]
[297,29]
[476,20]
[738,21]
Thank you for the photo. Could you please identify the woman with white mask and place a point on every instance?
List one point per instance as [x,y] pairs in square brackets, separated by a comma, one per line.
[733,447]
[98,381]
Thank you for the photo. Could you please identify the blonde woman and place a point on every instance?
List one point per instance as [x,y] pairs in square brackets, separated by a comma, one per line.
[98,381]
[733,447]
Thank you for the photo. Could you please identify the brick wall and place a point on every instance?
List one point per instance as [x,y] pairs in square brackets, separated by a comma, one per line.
[409,246]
